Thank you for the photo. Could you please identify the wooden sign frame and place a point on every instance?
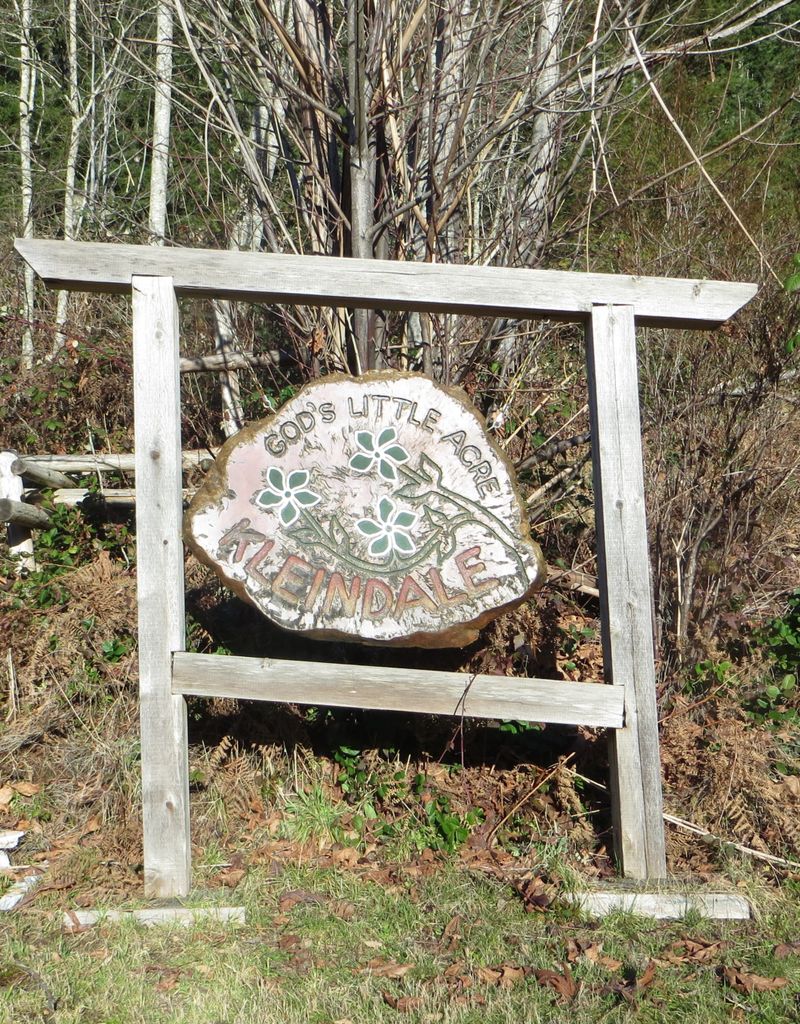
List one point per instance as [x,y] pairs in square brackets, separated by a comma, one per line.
[609,306]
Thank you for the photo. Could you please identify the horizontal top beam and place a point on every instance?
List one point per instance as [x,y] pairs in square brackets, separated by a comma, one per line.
[381,284]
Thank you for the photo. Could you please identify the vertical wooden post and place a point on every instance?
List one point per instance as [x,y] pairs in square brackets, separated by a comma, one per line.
[625,595]
[159,511]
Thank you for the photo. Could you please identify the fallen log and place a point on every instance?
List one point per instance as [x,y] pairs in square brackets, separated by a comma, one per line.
[41,475]
[107,462]
[20,513]
[238,361]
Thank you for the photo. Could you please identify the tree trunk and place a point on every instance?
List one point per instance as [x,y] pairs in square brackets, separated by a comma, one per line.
[362,172]
[27,94]
[159,164]
[72,159]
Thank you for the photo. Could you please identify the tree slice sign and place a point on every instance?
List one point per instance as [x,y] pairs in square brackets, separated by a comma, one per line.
[374,509]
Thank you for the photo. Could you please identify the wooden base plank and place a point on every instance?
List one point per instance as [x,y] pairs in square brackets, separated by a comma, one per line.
[396,689]
[662,905]
[78,920]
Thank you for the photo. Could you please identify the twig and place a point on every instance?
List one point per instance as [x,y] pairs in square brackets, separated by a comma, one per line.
[523,800]
[690,149]
[11,713]
[548,451]
[698,830]
[580,581]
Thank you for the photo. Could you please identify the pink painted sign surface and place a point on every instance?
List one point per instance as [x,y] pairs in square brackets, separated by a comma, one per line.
[374,509]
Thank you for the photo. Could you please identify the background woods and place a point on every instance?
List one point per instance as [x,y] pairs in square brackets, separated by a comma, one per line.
[606,135]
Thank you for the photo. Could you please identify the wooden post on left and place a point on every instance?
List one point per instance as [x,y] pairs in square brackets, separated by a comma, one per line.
[160,586]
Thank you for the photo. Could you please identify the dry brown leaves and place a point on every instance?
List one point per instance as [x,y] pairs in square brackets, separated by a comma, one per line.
[593,952]
[743,981]
[633,984]
[381,968]
[561,982]
[695,951]
[537,892]
[403,1004]
[784,949]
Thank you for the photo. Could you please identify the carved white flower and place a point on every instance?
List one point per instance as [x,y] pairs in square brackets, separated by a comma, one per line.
[385,451]
[389,530]
[287,496]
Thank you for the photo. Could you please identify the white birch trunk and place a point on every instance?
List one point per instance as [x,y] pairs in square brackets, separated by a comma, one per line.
[72,159]
[27,93]
[535,221]
[159,166]
[362,171]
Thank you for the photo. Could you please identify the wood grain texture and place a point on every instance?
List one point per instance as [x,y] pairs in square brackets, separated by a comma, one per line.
[41,476]
[396,689]
[381,284]
[20,513]
[236,361]
[108,462]
[75,920]
[160,587]
[662,905]
[20,542]
[125,496]
[624,575]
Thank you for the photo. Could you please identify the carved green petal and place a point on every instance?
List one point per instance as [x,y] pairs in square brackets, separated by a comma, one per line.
[396,453]
[289,514]
[268,498]
[306,498]
[386,470]
[386,436]
[385,510]
[361,462]
[403,542]
[369,527]
[405,519]
[365,441]
[379,546]
[275,478]
[297,479]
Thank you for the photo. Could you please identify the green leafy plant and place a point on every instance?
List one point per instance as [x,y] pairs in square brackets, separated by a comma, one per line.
[781,640]
[707,676]
[116,649]
[782,637]
[451,829]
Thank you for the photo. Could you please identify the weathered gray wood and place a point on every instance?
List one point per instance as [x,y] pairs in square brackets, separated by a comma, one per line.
[77,920]
[624,575]
[42,476]
[720,906]
[108,462]
[237,361]
[20,542]
[381,284]
[165,776]
[397,689]
[124,496]
[20,513]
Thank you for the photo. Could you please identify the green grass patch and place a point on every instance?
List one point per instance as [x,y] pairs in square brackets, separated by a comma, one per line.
[324,945]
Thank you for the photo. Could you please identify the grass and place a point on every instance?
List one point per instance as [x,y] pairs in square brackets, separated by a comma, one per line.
[311,934]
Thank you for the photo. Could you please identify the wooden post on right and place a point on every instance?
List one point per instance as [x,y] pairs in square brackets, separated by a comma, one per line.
[625,593]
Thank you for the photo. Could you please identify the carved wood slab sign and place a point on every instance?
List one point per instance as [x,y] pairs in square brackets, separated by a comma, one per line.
[375,509]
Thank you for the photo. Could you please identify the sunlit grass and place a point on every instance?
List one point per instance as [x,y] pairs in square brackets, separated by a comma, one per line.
[308,961]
